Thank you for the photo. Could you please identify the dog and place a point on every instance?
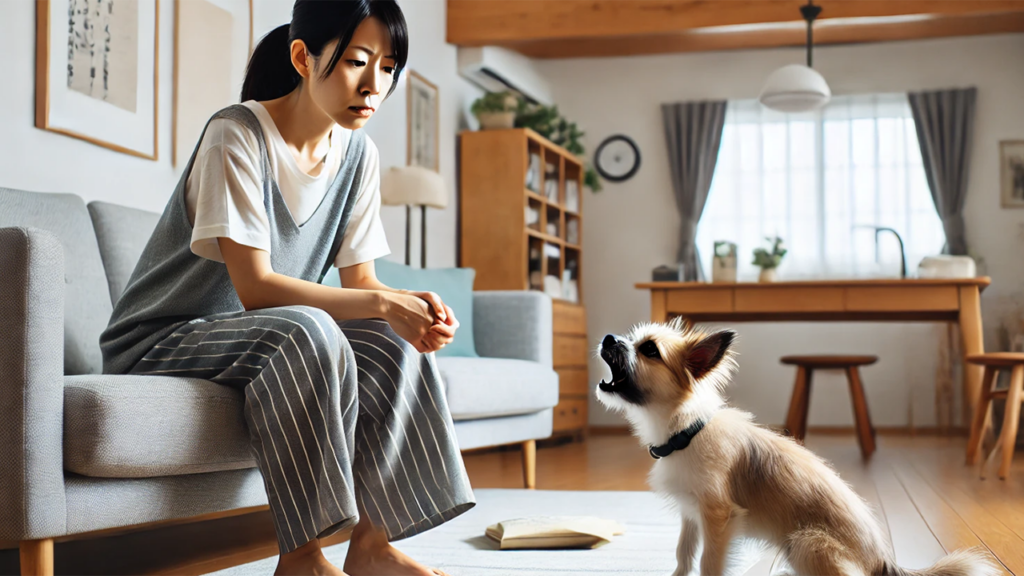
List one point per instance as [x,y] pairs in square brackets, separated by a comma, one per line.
[732,478]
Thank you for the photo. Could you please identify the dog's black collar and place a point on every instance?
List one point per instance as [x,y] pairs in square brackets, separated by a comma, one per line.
[678,441]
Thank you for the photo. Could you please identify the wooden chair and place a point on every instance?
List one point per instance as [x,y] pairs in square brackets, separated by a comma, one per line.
[796,421]
[993,363]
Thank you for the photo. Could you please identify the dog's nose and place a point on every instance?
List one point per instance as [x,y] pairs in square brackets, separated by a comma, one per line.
[609,341]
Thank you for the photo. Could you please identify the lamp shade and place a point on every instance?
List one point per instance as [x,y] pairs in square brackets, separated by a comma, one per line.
[795,88]
[413,185]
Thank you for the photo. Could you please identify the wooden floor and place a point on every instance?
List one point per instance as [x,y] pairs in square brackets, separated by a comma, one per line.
[930,502]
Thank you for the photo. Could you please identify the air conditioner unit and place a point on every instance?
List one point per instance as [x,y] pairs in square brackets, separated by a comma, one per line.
[496,69]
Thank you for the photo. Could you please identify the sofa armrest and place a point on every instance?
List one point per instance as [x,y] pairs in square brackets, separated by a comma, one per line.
[513,324]
[32,502]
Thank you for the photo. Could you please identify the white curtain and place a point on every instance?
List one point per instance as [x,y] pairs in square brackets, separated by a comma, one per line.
[814,179]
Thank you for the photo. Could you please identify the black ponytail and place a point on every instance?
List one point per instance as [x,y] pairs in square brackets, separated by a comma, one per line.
[270,73]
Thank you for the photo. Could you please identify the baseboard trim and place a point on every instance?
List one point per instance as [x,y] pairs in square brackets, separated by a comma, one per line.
[823,430]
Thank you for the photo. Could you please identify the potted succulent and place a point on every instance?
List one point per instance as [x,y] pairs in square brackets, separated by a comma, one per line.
[769,260]
[496,110]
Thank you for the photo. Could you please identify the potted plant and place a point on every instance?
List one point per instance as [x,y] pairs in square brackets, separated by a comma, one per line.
[769,261]
[496,110]
[723,264]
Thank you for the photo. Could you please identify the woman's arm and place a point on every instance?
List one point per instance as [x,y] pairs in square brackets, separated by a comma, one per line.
[258,286]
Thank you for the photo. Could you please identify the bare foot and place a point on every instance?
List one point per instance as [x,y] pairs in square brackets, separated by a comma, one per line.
[370,554]
[306,560]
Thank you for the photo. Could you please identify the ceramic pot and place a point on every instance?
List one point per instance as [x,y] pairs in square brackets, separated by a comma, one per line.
[496,120]
[767,275]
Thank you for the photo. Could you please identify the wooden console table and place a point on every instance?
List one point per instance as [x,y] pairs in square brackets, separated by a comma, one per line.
[932,300]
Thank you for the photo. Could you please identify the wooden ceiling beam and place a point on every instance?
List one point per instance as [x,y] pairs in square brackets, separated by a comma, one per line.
[839,32]
[501,22]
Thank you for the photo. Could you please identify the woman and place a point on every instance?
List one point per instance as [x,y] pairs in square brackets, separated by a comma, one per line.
[345,409]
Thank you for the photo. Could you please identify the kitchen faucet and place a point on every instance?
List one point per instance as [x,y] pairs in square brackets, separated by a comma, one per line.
[903,257]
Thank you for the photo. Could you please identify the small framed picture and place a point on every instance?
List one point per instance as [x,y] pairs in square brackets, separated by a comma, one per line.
[97,73]
[423,120]
[1011,173]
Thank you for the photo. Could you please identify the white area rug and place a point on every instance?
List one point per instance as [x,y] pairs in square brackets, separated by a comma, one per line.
[460,548]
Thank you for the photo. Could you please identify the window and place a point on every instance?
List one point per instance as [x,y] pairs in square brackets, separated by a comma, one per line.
[815,179]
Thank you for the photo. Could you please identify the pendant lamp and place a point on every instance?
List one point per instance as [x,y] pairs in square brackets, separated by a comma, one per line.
[795,87]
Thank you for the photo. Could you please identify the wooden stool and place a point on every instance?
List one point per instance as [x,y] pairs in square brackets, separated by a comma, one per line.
[993,363]
[796,421]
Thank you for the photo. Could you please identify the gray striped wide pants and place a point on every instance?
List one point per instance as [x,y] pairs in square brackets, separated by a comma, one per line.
[345,418]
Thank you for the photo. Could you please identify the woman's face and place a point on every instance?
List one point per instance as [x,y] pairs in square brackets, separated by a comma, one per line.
[359,82]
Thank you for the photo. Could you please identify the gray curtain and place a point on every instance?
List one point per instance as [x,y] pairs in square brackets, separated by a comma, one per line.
[945,126]
[693,132]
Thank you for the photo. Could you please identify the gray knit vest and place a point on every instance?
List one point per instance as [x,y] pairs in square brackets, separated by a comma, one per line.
[171,286]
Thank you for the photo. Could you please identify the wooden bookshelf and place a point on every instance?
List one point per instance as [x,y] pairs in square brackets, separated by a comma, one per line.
[511,250]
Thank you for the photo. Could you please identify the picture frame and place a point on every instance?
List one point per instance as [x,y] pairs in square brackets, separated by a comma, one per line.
[213,40]
[1011,173]
[97,72]
[422,123]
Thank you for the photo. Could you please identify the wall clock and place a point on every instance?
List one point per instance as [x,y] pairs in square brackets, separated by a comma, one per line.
[617,159]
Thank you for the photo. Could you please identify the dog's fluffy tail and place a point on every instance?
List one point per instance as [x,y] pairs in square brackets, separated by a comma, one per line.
[965,562]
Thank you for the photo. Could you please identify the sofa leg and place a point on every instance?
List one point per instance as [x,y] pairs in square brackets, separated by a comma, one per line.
[530,464]
[37,557]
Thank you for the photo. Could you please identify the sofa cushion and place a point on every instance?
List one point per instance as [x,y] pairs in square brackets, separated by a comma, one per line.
[122,233]
[86,297]
[491,387]
[144,426]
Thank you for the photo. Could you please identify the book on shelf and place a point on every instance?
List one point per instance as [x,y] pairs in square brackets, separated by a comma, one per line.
[533,172]
[554,532]
[572,196]
[551,183]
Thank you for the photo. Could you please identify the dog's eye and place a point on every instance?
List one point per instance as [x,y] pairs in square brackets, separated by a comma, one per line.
[650,349]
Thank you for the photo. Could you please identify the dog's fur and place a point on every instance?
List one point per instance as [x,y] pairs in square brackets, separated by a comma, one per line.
[737,479]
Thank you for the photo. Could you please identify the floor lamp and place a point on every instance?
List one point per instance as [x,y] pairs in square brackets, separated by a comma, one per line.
[413,186]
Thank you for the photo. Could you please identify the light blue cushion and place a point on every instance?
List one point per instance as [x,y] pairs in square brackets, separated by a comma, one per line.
[453,285]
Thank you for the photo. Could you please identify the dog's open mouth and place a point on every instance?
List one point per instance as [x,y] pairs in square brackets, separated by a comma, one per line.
[618,378]
[612,353]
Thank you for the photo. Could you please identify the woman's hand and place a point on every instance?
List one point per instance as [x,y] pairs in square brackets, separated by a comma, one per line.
[410,317]
[422,319]
[442,331]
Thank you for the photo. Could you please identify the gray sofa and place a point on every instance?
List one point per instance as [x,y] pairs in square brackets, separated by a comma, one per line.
[82,452]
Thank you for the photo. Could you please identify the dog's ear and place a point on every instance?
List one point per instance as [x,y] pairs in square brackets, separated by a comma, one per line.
[708,353]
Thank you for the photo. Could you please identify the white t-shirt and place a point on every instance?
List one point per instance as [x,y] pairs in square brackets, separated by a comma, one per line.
[224,191]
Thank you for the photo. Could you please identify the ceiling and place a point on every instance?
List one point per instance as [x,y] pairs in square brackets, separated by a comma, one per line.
[600,28]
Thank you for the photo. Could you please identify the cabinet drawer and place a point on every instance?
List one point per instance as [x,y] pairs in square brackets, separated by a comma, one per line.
[570,414]
[570,350]
[789,299]
[697,301]
[573,381]
[569,319]
[903,299]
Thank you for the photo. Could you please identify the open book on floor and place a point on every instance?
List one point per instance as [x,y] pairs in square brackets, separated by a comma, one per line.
[554,532]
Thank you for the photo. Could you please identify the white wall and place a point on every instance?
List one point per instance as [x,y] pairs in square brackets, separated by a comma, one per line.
[631,227]
[38,160]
